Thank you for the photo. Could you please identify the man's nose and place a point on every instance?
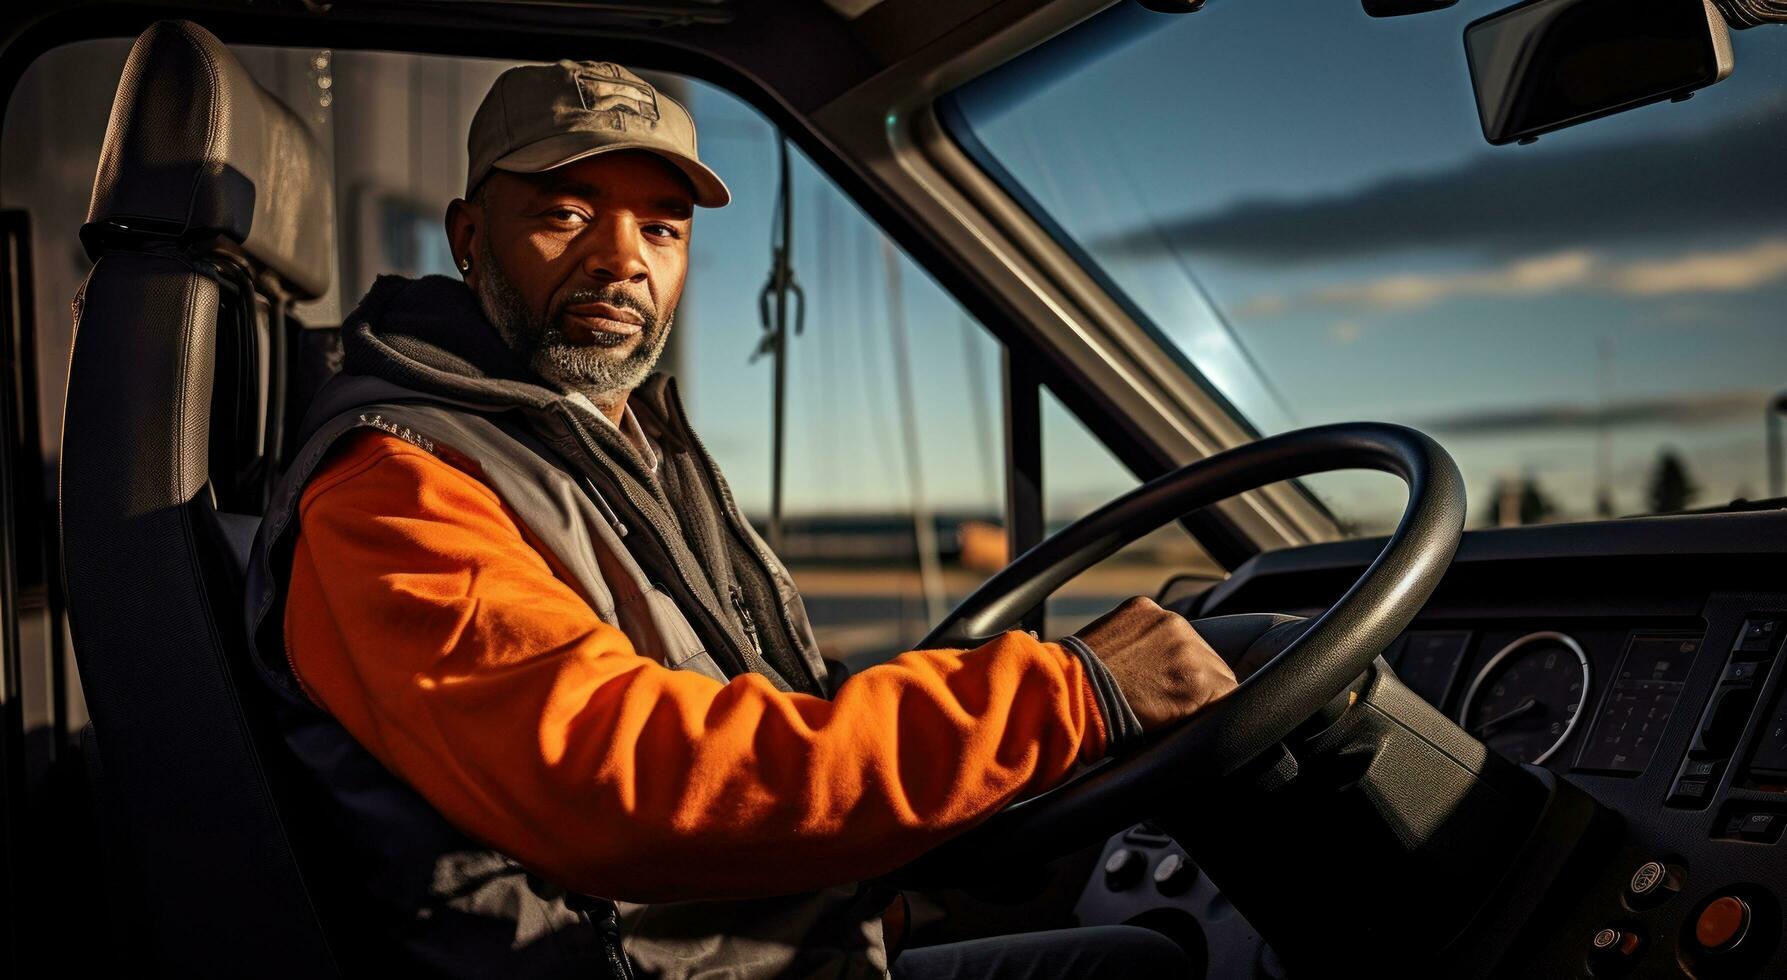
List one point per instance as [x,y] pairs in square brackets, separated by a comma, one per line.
[614,252]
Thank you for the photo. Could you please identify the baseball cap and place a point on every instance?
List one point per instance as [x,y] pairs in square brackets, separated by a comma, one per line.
[540,117]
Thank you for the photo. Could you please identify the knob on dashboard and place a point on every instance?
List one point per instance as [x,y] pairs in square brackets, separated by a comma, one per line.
[1175,874]
[1652,884]
[1123,868]
[1614,949]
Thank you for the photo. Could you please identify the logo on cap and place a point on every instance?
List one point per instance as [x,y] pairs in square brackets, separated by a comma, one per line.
[603,89]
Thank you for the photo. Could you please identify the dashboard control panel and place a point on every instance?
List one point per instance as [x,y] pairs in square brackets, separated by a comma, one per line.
[1606,698]
[1639,703]
[1681,734]
[1726,714]
[1145,878]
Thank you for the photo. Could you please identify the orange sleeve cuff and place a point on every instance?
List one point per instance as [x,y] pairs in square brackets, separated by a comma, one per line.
[1098,733]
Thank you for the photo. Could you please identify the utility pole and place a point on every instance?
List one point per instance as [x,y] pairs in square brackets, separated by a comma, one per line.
[1777,480]
[1603,438]
[773,308]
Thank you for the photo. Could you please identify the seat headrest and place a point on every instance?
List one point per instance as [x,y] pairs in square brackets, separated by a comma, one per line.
[196,148]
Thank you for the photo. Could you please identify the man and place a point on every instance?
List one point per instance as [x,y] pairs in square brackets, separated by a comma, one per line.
[504,571]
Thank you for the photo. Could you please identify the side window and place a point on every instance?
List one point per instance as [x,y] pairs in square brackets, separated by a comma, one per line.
[892,470]
[1080,475]
[893,484]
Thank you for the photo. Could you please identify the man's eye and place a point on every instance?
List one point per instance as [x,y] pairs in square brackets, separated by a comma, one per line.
[565,214]
[660,228]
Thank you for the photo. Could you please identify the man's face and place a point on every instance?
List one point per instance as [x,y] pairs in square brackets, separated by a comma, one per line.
[580,268]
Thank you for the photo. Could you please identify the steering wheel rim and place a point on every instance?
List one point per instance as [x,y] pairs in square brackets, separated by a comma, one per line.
[1265,708]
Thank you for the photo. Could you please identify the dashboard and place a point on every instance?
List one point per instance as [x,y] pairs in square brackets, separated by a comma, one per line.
[1640,660]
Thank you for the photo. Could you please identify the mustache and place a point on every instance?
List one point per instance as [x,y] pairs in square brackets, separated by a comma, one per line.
[613,296]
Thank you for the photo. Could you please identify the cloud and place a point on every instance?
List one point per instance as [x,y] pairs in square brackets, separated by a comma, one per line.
[1706,272]
[1695,272]
[1706,408]
[1510,201]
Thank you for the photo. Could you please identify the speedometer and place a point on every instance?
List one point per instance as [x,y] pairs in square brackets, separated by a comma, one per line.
[1526,700]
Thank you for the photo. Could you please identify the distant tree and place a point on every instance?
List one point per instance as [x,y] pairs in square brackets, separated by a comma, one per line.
[1671,488]
[1603,503]
[1535,504]
[1520,501]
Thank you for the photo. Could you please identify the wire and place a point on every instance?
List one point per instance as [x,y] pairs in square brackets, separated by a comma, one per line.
[772,310]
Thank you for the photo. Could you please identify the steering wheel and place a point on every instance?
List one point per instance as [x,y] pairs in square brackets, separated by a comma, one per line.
[1313,669]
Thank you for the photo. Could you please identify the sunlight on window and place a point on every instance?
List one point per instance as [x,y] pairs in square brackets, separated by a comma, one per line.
[1590,324]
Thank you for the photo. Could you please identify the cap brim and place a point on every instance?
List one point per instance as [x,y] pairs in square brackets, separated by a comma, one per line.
[556,151]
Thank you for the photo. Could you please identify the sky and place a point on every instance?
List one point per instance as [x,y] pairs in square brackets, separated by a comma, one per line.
[1301,198]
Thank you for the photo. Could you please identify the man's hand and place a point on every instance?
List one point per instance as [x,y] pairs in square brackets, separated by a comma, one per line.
[1163,667]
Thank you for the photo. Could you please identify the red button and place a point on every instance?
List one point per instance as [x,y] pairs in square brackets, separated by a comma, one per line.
[1722,924]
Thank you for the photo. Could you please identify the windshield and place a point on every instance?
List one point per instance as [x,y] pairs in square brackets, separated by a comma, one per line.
[1300,201]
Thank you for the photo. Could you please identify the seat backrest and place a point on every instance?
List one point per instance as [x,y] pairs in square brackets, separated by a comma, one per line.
[210,212]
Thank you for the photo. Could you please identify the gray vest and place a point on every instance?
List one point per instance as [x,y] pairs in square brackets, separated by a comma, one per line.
[423,896]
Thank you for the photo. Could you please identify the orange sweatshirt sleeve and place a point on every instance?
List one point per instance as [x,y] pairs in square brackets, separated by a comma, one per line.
[423,620]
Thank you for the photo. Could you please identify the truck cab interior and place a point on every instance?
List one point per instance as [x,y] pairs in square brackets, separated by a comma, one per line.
[1427,357]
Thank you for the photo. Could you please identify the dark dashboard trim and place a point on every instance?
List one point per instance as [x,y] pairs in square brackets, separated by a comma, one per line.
[1693,539]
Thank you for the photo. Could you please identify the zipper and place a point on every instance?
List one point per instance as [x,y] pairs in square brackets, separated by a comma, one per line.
[711,472]
[744,616]
[291,664]
[614,521]
[617,957]
[608,928]
[753,656]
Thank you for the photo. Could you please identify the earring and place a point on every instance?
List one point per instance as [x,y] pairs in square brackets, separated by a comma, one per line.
[465,265]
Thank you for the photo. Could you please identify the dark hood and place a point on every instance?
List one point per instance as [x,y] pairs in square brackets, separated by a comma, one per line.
[430,335]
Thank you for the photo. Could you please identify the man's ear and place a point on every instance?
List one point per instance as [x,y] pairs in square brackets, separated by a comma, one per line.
[464,224]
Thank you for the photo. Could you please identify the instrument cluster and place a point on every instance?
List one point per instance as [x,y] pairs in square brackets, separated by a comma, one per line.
[1588,700]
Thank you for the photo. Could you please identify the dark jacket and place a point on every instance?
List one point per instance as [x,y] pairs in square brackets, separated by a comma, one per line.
[669,561]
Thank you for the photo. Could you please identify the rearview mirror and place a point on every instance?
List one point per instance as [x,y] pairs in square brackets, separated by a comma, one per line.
[1546,64]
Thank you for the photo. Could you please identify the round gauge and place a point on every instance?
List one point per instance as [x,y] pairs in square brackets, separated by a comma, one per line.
[1527,699]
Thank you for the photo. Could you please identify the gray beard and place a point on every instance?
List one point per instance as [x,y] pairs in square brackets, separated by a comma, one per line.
[592,369]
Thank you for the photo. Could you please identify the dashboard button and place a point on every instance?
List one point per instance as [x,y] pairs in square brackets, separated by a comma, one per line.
[1702,768]
[1652,884]
[1758,636]
[1613,949]
[1688,791]
[1722,924]
[1741,671]
[1761,827]
[1123,868]
[1175,874]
